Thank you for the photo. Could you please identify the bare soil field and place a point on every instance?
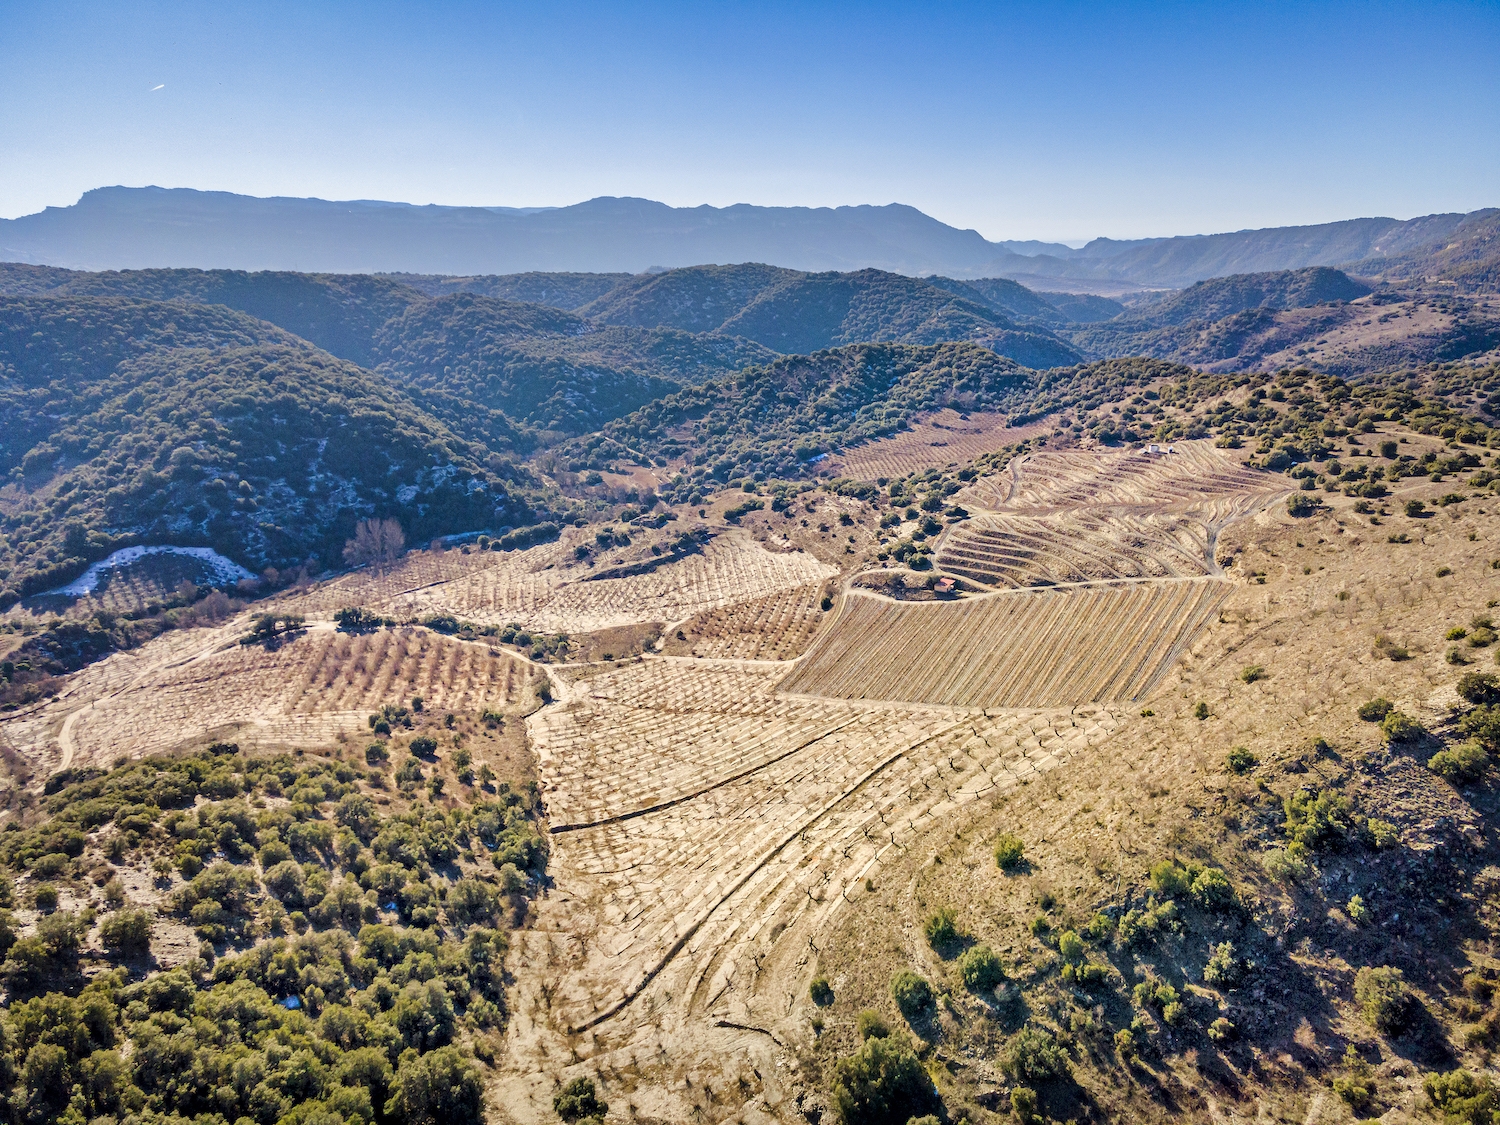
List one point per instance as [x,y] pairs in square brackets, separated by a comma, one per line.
[547,588]
[944,437]
[1089,545]
[1049,648]
[1194,473]
[701,821]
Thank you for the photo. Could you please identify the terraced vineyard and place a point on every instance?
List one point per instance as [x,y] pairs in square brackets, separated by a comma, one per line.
[698,816]
[1091,545]
[942,438]
[1048,648]
[778,626]
[544,588]
[304,693]
[1066,480]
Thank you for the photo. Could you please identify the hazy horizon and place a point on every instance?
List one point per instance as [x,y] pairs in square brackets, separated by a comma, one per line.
[1055,122]
[1075,242]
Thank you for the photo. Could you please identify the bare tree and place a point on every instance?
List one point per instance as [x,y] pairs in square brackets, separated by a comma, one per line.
[377,542]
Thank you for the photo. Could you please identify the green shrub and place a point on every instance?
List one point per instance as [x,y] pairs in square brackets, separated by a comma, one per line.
[1483,725]
[1481,688]
[578,1100]
[424,745]
[44,897]
[1356,909]
[1317,818]
[1155,993]
[1201,712]
[1253,673]
[882,1083]
[1221,1030]
[940,928]
[1099,928]
[1170,879]
[980,968]
[1382,998]
[1356,1086]
[1465,762]
[60,933]
[1241,760]
[1462,1097]
[1070,946]
[871,1024]
[1010,853]
[820,992]
[1023,1105]
[50,866]
[1415,508]
[127,931]
[913,995]
[1212,889]
[1034,1056]
[1383,834]
[1285,865]
[1401,727]
[1375,709]
[1224,970]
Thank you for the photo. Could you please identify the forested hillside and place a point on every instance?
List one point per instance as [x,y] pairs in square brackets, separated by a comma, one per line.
[1469,259]
[774,419]
[174,423]
[543,367]
[797,313]
[339,312]
[560,290]
[1317,316]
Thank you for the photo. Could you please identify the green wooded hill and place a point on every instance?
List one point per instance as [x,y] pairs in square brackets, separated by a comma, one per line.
[1010,298]
[167,422]
[1469,258]
[560,290]
[339,312]
[543,367]
[798,313]
[780,419]
[775,418]
[1224,296]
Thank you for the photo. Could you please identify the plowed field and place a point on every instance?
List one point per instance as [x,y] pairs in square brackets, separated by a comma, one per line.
[1088,546]
[1050,648]
[1072,479]
[697,815]
[535,589]
[305,692]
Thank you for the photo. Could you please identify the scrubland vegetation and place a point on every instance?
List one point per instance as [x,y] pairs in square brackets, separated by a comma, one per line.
[261,937]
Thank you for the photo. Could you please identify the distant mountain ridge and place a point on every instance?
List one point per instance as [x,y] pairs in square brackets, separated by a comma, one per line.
[133,228]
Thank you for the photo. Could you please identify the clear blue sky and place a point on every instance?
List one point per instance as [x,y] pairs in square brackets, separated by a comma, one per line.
[1022,121]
